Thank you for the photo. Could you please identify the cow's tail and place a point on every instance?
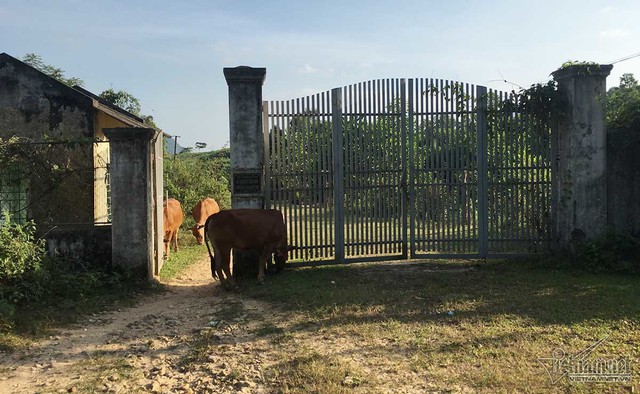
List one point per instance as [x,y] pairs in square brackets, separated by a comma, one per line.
[211,256]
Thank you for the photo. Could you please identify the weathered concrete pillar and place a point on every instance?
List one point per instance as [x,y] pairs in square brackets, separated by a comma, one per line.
[246,136]
[580,173]
[247,149]
[131,197]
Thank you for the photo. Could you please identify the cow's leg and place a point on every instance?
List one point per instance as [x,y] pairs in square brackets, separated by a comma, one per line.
[217,255]
[170,244]
[176,239]
[226,267]
[264,256]
[223,255]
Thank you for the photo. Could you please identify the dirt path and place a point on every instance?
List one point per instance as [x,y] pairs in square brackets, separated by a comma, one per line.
[156,338]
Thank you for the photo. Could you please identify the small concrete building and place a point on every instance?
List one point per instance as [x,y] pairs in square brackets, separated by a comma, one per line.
[64,126]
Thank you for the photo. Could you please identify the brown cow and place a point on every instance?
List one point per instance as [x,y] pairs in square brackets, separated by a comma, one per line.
[200,213]
[245,229]
[171,223]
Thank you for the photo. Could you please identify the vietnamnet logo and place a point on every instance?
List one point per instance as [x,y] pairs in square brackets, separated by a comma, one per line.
[580,367]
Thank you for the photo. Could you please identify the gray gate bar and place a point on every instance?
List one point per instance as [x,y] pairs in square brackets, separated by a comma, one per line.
[403,181]
[483,229]
[268,154]
[412,173]
[338,172]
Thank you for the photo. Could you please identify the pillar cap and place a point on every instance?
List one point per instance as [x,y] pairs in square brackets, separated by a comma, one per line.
[244,74]
[582,70]
[129,133]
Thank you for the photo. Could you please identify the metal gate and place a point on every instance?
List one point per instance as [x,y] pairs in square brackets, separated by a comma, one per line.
[395,168]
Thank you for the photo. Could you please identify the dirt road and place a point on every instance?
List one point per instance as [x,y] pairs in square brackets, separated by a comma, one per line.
[152,347]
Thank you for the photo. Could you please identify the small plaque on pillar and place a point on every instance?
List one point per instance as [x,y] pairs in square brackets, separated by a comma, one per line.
[247,183]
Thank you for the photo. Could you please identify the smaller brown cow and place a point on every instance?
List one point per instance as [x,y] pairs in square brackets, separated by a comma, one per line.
[200,213]
[171,223]
[245,229]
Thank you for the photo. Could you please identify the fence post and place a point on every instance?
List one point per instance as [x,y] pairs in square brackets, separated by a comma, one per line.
[130,174]
[267,154]
[481,153]
[412,174]
[580,167]
[403,179]
[338,171]
[247,143]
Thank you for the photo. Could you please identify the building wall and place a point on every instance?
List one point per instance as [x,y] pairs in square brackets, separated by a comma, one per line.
[81,242]
[34,105]
[40,108]
[623,180]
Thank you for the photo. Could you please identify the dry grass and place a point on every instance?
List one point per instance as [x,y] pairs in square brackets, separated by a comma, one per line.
[386,328]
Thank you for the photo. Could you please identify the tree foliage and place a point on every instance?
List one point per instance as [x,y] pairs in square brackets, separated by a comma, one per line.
[190,177]
[36,62]
[122,99]
[623,104]
[129,103]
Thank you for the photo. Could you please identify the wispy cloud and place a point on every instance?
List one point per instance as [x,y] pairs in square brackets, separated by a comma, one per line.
[614,33]
[308,69]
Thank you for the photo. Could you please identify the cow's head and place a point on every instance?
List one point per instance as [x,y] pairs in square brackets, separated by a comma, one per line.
[166,239]
[198,231]
[281,255]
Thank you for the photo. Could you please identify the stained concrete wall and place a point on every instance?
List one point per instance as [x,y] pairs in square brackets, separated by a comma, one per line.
[80,242]
[33,105]
[131,197]
[580,172]
[623,180]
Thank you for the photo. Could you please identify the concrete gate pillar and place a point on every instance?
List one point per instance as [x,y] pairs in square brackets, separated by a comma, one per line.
[247,150]
[580,168]
[131,197]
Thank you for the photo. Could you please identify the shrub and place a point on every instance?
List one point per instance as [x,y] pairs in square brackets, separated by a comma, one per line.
[612,252]
[20,253]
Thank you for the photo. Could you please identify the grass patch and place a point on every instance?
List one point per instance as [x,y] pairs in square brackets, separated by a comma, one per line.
[268,329]
[448,326]
[189,253]
[315,373]
[101,373]
[230,310]
[199,350]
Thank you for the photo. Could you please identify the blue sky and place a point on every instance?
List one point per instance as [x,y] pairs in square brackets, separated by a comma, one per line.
[170,54]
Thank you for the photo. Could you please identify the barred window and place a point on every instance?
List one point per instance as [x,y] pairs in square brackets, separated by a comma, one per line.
[13,194]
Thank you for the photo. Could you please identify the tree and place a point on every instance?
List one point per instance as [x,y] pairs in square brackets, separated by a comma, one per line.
[129,103]
[36,62]
[122,99]
[623,104]
[191,177]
